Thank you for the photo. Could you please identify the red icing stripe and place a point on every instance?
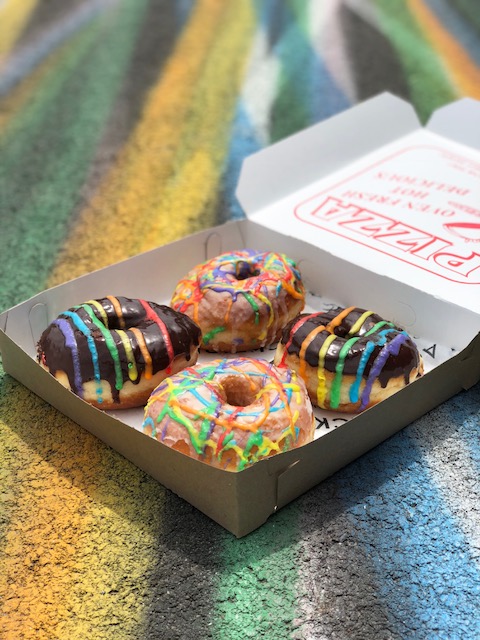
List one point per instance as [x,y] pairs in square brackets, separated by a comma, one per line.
[293,330]
[151,315]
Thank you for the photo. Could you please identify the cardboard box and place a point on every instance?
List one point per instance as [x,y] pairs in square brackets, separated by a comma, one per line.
[379,213]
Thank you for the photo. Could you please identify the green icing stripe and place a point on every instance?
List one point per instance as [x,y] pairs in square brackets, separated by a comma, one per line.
[335,391]
[110,342]
[253,304]
[208,336]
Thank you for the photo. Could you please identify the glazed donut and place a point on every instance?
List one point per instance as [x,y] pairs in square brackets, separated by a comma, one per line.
[241,300]
[350,359]
[113,352]
[231,413]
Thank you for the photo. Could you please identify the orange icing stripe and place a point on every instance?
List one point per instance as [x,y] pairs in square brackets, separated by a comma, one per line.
[118,310]
[144,351]
[336,321]
[228,424]
[305,344]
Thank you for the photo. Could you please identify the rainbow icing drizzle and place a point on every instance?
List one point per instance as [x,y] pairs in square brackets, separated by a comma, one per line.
[197,407]
[262,279]
[115,339]
[353,342]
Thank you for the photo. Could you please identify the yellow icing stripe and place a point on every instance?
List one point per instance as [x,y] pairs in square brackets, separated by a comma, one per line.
[268,304]
[463,71]
[13,18]
[100,309]
[142,345]
[118,310]
[132,365]
[169,169]
[322,386]
[358,324]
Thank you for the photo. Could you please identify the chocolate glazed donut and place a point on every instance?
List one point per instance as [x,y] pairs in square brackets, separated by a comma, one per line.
[350,359]
[114,351]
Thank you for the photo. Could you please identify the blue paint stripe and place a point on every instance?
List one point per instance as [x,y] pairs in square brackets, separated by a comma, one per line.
[460,29]
[244,142]
[24,61]
[307,77]
[267,11]
[182,10]
[464,410]
[414,543]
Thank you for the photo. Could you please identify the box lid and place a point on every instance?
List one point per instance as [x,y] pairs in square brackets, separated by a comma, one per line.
[375,187]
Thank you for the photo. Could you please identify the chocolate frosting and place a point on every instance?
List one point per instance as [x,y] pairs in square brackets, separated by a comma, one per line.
[399,362]
[95,340]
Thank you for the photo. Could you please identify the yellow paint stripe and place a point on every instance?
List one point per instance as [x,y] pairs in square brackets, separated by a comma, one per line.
[45,525]
[14,102]
[166,176]
[79,516]
[22,94]
[191,192]
[13,18]
[463,71]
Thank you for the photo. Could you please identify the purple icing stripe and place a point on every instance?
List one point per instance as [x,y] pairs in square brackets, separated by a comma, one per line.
[71,343]
[391,348]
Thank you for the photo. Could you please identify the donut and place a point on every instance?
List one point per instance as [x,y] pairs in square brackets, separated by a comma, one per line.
[241,300]
[114,351]
[231,412]
[349,358]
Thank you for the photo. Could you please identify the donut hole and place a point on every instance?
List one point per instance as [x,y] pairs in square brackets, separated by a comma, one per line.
[244,270]
[238,391]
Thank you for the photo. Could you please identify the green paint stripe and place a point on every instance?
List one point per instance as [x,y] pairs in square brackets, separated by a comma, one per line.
[290,111]
[25,130]
[67,118]
[429,84]
[256,591]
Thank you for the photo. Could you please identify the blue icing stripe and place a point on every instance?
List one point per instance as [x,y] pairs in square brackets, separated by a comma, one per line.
[81,326]
[370,346]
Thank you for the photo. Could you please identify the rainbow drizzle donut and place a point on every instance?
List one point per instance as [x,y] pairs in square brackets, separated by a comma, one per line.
[350,359]
[241,300]
[231,413]
[113,352]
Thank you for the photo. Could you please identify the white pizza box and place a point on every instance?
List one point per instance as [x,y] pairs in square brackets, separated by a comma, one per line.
[379,212]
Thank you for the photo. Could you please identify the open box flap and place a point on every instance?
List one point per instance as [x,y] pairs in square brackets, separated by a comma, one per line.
[458,121]
[316,152]
[374,187]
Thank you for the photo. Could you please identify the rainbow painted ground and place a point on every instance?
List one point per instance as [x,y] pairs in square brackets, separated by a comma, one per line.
[123,126]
